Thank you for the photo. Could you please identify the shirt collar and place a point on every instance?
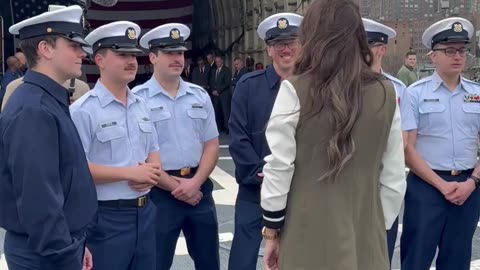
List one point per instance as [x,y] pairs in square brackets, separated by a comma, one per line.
[437,82]
[106,97]
[48,85]
[155,88]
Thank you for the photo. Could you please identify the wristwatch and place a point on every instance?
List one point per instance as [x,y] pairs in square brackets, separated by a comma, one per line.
[476,180]
[269,236]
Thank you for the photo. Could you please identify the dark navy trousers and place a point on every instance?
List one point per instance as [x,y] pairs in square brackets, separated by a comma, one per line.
[247,237]
[430,221]
[391,239]
[124,238]
[198,224]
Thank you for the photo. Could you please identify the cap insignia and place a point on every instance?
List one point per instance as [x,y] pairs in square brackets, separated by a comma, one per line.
[175,33]
[131,33]
[457,27]
[282,23]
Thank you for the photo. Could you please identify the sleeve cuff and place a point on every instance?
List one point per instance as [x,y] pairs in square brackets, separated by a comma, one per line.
[274,220]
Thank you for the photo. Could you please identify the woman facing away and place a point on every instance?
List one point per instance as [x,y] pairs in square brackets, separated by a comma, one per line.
[335,179]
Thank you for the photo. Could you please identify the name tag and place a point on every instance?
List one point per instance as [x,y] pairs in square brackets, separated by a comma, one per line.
[111,124]
[146,119]
[471,98]
[197,106]
[157,108]
[431,100]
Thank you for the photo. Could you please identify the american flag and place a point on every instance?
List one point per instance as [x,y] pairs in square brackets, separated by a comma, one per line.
[148,14]
[24,9]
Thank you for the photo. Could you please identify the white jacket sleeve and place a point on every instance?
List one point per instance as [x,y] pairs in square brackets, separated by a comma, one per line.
[279,167]
[392,177]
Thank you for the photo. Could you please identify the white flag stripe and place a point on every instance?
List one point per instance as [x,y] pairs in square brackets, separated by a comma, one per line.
[139,15]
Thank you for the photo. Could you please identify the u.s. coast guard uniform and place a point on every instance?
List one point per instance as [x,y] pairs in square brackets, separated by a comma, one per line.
[447,125]
[184,123]
[47,196]
[379,33]
[118,135]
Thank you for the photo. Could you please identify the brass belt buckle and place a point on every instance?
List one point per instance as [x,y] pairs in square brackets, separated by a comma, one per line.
[141,201]
[185,171]
[455,172]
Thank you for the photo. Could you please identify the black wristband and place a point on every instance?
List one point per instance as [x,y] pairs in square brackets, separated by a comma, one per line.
[476,180]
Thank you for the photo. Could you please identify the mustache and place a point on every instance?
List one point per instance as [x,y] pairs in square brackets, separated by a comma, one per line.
[175,64]
[130,67]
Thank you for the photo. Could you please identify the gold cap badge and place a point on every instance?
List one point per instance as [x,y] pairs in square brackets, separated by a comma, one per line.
[131,33]
[175,33]
[457,27]
[282,23]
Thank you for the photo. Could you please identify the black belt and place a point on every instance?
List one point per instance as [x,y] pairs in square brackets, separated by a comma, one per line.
[453,172]
[183,172]
[138,202]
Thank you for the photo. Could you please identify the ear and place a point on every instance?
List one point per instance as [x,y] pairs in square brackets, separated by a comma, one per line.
[152,58]
[433,57]
[45,50]
[100,61]
[270,51]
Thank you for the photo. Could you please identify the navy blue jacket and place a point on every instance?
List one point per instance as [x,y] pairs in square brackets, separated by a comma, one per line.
[252,105]
[46,189]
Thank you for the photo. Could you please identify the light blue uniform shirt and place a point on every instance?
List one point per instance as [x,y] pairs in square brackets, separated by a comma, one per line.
[447,123]
[114,135]
[183,123]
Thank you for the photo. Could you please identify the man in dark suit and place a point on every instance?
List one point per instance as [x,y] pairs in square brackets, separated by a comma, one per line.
[220,80]
[240,70]
[200,74]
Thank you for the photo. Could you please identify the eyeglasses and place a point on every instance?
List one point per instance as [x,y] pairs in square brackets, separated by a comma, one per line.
[450,52]
[280,46]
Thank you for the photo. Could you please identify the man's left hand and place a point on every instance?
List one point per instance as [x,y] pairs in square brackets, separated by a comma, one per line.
[87,260]
[186,190]
[463,191]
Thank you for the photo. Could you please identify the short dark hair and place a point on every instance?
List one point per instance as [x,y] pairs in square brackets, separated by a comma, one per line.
[237,58]
[410,53]
[29,47]
[221,56]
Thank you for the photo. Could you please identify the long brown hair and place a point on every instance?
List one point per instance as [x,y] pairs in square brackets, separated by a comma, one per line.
[336,58]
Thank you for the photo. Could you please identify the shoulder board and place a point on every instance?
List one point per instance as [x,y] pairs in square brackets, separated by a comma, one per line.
[421,81]
[252,74]
[139,88]
[470,81]
[393,79]
[88,95]
[195,86]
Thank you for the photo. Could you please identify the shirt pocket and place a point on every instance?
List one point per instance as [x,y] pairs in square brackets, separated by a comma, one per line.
[431,117]
[113,142]
[146,130]
[161,119]
[197,119]
[471,117]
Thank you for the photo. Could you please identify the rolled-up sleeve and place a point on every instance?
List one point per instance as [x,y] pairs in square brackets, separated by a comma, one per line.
[279,167]
[392,176]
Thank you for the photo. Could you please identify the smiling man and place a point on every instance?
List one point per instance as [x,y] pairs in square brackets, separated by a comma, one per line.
[47,196]
[442,117]
[122,150]
[184,118]
[252,105]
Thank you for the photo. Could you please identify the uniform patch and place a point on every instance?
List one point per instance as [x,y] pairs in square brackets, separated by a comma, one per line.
[111,124]
[157,108]
[431,100]
[471,98]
